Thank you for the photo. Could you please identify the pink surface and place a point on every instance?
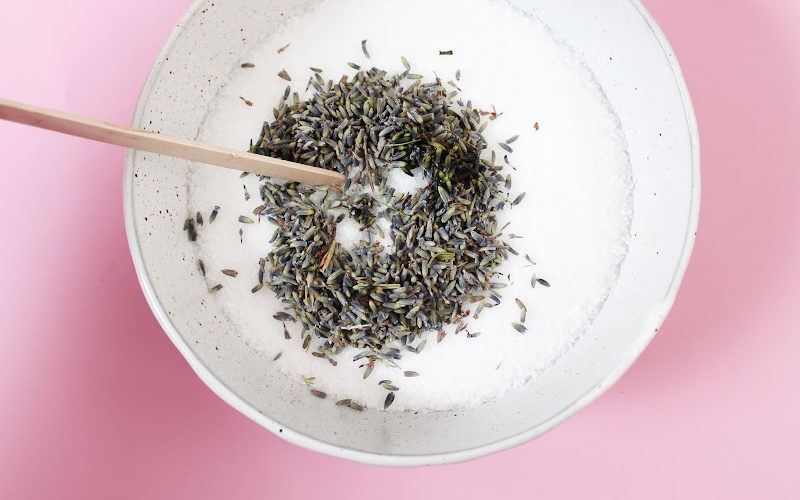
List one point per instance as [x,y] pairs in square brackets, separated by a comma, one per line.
[97,403]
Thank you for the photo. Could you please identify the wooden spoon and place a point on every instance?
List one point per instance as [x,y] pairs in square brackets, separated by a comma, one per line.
[166,145]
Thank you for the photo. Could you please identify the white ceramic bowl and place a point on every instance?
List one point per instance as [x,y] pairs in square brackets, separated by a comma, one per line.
[645,87]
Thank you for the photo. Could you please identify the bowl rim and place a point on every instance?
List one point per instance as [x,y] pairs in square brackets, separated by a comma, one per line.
[308,442]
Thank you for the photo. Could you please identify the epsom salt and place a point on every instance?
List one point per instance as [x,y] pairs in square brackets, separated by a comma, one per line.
[570,159]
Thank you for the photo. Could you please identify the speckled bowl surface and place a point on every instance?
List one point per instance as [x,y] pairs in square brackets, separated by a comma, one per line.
[646,89]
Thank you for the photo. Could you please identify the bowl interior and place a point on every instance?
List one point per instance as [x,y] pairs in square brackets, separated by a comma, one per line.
[637,73]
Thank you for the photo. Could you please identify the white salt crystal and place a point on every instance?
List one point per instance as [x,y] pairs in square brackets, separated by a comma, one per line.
[574,220]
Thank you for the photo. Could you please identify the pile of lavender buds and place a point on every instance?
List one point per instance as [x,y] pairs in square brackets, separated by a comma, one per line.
[427,258]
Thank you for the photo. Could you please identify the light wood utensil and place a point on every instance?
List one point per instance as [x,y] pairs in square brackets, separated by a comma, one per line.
[165,145]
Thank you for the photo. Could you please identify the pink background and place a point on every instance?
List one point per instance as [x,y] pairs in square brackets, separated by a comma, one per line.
[95,402]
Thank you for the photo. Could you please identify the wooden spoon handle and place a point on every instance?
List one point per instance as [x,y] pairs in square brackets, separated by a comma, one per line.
[166,145]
